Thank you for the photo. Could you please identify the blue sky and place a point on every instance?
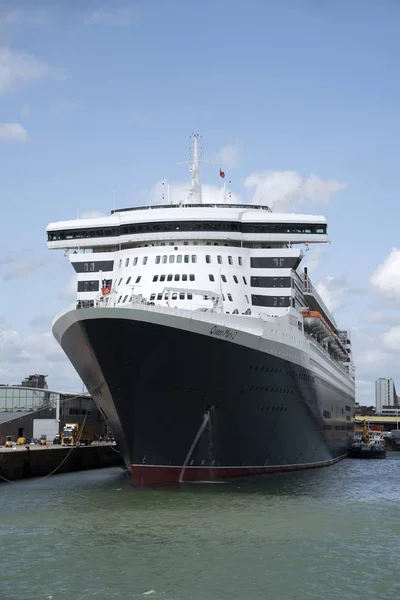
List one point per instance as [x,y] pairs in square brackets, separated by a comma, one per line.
[98,100]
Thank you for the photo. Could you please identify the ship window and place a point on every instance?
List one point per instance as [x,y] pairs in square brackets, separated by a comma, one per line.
[85,286]
[181,296]
[230,260]
[189,296]
[162,277]
[91,266]
[87,264]
[144,260]
[191,277]
[194,258]
[152,297]
[348,408]
[219,259]
[208,258]
[171,258]
[169,277]
[166,296]
[159,296]
[138,279]
[247,299]
[211,277]
[244,280]
[230,297]
[268,282]
[127,262]
[119,282]
[124,300]
[223,297]
[128,280]
[135,261]
[158,258]
[119,299]
[223,278]
[266,262]
[326,414]
[240,261]
[270,300]
[155,278]
[179,258]
[184,277]
[186,258]
[177,277]
[174,296]
[235,279]
[164,259]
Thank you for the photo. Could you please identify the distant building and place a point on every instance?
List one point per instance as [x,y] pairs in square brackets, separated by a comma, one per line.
[385,394]
[35,381]
[28,411]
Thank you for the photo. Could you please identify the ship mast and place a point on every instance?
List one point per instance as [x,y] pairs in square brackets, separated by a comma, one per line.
[195,189]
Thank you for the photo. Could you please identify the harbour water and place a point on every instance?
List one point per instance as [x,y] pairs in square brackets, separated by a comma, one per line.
[331,533]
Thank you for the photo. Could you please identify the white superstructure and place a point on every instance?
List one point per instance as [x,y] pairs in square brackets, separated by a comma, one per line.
[229,259]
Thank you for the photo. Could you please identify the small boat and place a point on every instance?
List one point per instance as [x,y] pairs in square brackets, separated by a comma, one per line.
[368,447]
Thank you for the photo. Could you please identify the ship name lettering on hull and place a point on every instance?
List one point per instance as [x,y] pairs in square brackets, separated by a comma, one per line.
[223,332]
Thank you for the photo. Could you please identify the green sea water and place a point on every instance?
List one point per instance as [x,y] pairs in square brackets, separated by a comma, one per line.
[325,534]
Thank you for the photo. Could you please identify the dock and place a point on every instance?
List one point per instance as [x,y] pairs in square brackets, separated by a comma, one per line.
[39,461]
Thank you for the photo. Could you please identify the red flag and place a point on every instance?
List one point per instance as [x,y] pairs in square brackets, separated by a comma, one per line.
[221,174]
[105,290]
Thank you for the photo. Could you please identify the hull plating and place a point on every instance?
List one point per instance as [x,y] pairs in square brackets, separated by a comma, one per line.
[247,411]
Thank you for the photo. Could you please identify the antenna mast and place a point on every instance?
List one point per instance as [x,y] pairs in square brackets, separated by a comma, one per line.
[195,189]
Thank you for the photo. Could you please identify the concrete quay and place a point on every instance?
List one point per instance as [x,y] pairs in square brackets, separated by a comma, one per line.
[39,461]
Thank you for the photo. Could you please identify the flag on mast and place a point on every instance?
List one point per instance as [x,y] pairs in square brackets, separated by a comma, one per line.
[221,173]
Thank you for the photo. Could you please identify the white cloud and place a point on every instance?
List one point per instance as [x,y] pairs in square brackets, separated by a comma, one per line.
[91,214]
[228,156]
[312,259]
[36,353]
[25,111]
[21,268]
[27,17]
[385,279]
[284,190]
[365,392]
[18,69]
[179,192]
[64,106]
[13,132]
[120,17]
[391,338]
[381,317]
[69,289]
[333,291]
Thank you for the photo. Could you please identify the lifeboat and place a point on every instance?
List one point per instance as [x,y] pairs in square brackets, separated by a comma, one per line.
[337,347]
[314,321]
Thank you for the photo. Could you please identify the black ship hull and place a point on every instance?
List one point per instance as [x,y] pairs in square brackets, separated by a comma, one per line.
[185,406]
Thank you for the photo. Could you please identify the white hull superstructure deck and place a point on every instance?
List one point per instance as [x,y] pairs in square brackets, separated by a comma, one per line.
[205,284]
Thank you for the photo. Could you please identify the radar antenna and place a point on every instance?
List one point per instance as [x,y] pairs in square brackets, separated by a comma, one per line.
[195,195]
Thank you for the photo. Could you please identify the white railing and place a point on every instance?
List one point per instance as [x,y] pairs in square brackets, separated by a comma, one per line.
[209,316]
[325,353]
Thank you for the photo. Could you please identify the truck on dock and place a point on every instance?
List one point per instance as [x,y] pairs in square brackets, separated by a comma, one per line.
[73,434]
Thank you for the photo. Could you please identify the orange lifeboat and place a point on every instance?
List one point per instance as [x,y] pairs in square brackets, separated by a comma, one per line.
[314,321]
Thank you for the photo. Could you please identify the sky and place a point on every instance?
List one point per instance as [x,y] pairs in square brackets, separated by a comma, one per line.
[298,101]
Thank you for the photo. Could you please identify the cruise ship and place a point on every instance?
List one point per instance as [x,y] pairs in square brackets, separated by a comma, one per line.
[203,341]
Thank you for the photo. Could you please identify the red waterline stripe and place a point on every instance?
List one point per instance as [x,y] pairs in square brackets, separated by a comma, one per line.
[148,475]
